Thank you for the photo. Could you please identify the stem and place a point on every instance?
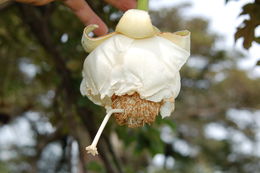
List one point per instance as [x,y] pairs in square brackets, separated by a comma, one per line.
[143,5]
[92,149]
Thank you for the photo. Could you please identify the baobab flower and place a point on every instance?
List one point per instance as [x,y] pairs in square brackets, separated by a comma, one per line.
[134,71]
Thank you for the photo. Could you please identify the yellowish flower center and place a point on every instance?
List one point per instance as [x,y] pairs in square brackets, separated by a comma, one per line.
[137,111]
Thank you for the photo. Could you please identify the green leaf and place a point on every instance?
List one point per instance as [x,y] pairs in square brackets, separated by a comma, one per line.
[166,121]
[149,139]
[247,29]
[257,39]
[247,9]
[246,32]
[95,166]
[126,135]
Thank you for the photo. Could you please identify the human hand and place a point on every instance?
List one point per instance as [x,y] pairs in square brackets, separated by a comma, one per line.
[83,11]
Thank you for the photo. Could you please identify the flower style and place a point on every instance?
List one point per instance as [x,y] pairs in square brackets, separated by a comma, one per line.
[135,69]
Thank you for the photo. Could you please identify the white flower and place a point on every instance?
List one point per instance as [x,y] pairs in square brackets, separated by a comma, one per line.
[124,63]
[134,71]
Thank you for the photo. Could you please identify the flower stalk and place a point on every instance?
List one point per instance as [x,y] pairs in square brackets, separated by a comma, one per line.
[143,5]
[92,149]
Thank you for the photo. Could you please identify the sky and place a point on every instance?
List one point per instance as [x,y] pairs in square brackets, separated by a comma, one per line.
[224,20]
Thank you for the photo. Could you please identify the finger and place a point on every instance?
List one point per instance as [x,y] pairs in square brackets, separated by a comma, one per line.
[87,15]
[123,4]
[94,19]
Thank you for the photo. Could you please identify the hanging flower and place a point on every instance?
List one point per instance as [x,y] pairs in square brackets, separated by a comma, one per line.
[134,71]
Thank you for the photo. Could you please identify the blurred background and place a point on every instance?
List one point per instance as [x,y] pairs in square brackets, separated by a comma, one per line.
[45,124]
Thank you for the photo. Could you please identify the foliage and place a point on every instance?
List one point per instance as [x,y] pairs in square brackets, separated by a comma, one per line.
[247,29]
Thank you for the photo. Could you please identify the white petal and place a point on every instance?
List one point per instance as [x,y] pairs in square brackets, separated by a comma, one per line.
[123,65]
[89,43]
[180,38]
[136,24]
[166,109]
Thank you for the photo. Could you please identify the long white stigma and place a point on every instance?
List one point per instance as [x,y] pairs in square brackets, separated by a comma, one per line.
[92,149]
